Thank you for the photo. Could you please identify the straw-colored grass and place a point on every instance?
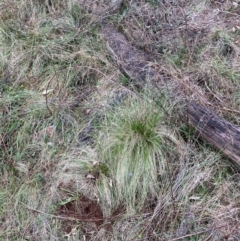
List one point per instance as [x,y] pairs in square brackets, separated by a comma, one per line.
[141,165]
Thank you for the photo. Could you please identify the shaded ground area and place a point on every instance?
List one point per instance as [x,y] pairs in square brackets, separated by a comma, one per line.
[81,210]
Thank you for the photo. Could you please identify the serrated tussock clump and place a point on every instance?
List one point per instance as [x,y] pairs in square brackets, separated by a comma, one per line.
[132,142]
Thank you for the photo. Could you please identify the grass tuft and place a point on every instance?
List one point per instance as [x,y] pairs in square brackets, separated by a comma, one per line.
[133,145]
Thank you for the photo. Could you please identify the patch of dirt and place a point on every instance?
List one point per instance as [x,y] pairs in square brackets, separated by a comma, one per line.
[82,210]
[88,215]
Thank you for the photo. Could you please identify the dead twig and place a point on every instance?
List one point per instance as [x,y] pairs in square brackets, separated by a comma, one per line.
[46,95]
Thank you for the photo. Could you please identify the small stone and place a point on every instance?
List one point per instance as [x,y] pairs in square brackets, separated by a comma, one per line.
[90,176]
[235,4]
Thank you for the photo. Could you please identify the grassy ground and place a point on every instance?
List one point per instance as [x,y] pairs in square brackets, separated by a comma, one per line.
[86,156]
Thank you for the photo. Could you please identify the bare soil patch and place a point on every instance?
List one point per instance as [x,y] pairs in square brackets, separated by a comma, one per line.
[82,210]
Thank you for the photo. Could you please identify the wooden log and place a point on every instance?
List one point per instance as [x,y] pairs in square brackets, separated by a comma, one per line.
[211,128]
[215,130]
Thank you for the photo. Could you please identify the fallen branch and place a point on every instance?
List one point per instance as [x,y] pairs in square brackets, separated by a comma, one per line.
[215,130]
[210,127]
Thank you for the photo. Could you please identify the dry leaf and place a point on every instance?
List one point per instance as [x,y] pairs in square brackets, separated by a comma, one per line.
[90,176]
[88,111]
[48,131]
[45,92]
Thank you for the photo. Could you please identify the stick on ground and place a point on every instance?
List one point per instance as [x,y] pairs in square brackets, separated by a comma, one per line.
[210,127]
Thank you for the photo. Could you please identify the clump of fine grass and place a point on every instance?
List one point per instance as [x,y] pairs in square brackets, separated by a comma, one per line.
[42,45]
[48,51]
[132,143]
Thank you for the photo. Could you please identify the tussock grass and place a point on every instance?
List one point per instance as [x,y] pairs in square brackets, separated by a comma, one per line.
[132,142]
